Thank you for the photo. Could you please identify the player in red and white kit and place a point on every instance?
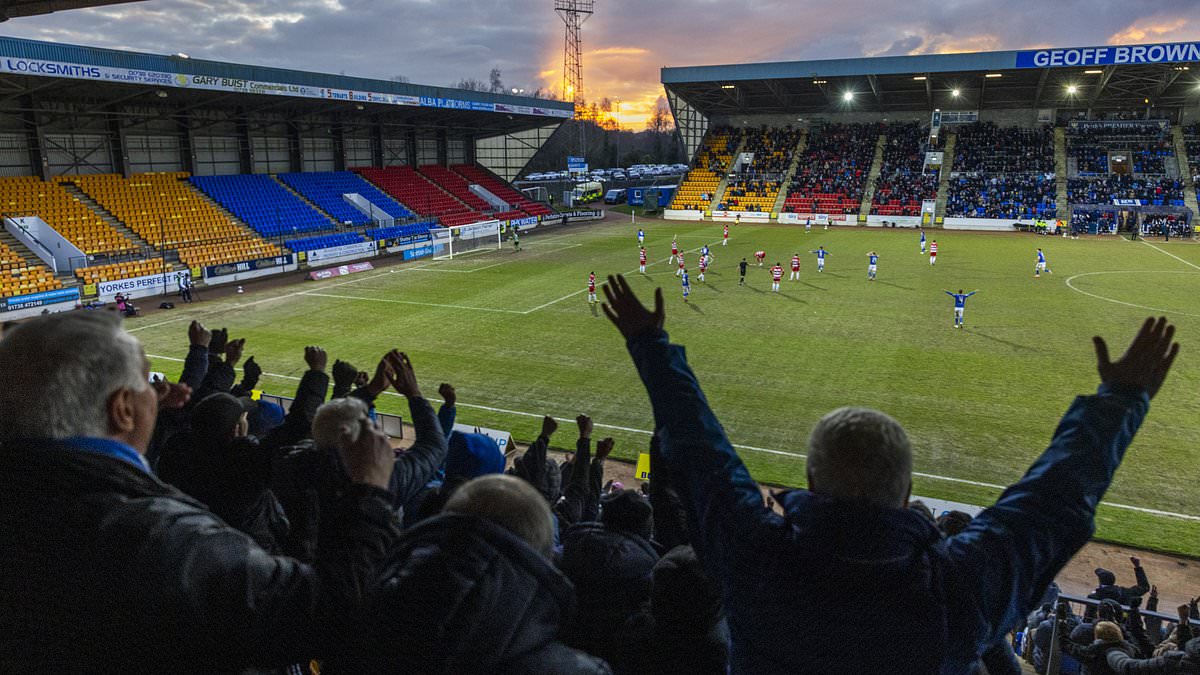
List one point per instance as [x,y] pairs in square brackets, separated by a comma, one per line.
[795,276]
[760,256]
[703,266]
[592,288]
[776,277]
[642,260]
[679,272]
[932,252]
[674,251]
[725,238]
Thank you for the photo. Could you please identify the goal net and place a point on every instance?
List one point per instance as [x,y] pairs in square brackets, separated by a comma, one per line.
[449,242]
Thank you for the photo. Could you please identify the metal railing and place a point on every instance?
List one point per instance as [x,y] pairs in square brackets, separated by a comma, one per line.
[392,425]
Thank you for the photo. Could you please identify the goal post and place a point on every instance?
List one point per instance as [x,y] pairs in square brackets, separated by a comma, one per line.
[459,240]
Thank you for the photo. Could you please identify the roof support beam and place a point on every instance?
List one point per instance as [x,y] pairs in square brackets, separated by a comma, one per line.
[874,82]
[1169,80]
[929,93]
[1104,78]
[1037,98]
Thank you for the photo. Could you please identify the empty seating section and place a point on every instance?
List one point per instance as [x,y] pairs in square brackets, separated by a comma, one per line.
[416,192]
[28,196]
[229,251]
[833,169]
[1147,148]
[122,270]
[323,241]
[1003,172]
[456,185]
[263,204]
[714,158]
[325,189]
[18,276]
[756,185]
[413,231]
[515,199]
[1159,191]
[902,185]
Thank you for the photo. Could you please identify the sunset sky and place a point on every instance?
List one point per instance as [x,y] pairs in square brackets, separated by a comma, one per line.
[625,43]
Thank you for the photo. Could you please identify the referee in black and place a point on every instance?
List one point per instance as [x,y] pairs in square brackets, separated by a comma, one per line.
[742,272]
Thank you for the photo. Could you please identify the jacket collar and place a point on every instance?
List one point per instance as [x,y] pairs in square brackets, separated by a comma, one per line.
[100,446]
[858,530]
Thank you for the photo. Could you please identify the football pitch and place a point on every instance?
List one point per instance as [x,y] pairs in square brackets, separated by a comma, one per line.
[514,333]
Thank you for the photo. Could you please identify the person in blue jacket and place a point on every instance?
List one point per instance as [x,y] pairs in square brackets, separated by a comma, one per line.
[849,569]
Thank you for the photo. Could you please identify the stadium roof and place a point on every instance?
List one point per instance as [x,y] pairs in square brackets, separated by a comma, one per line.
[106,76]
[14,8]
[1106,77]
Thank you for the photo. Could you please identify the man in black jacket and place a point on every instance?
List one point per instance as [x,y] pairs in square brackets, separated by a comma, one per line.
[1109,590]
[107,569]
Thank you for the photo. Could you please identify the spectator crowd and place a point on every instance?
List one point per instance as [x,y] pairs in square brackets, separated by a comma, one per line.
[189,527]
[902,184]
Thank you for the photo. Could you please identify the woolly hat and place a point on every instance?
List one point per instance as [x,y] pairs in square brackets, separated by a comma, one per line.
[627,510]
[1106,578]
[473,455]
[682,593]
[215,417]
[264,415]
[1107,631]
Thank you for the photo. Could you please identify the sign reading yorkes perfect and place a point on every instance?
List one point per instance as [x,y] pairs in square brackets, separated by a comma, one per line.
[215,83]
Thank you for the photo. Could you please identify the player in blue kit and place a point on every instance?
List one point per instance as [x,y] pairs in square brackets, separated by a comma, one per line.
[641,236]
[704,253]
[922,241]
[960,304]
[872,261]
[1041,265]
[821,253]
[687,286]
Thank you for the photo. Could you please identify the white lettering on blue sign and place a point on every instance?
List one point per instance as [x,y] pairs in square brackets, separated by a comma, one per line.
[1177,52]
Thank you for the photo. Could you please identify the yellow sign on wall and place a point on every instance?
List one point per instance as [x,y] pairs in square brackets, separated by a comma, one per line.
[643,467]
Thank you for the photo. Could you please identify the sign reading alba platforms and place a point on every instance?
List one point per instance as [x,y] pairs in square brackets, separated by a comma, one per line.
[1110,56]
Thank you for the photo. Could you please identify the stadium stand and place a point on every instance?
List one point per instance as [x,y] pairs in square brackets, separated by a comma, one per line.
[1003,172]
[421,195]
[18,276]
[902,186]
[325,189]
[410,231]
[122,270]
[263,204]
[714,158]
[1148,145]
[833,169]
[27,195]
[1160,191]
[1191,141]
[456,185]
[756,186]
[515,199]
[323,241]
[166,211]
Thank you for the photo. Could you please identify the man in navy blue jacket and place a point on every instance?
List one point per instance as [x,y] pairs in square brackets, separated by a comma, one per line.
[849,581]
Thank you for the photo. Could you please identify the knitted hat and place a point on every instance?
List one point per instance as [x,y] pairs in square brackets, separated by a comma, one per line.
[627,510]
[682,592]
[264,415]
[1106,578]
[215,417]
[473,455]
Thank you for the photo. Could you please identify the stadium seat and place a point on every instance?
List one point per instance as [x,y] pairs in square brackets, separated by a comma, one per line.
[713,159]
[324,241]
[19,276]
[516,199]
[325,189]
[27,195]
[418,193]
[263,204]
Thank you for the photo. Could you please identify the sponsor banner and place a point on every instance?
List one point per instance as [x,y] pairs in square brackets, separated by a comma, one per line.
[741,216]
[1175,52]
[993,224]
[1127,202]
[959,116]
[362,248]
[584,215]
[422,251]
[893,221]
[77,71]
[490,228]
[816,218]
[503,438]
[340,271]
[54,297]
[685,214]
[244,266]
[523,223]
[140,287]
[1104,125]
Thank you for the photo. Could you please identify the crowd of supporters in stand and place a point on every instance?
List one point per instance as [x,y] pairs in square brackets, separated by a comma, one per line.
[835,162]
[185,527]
[1103,222]
[1148,147]
[1003,172]
[984,147]
[1151,191]
[901,185]
[1014,196]
[1166,226]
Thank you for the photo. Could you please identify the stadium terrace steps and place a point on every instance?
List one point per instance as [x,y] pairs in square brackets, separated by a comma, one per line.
[516,199]
[944,175]
[1185,163]
[454,185]
[872,177]
[22,273]
[299,195]
[105,215]
[264,204]
[719,195]
[419,194]
[787,177]
[1061,171]
[20,249]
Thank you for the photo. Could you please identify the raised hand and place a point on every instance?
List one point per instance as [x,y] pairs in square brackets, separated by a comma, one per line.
[446,391]
[403,377]
[603,448]
[585,426]
[198,335]
[370,458]
[344,373]
[362,379]
[172,395]
[549,426]
[251,370]
[626,311]
[216,344]
[1137,562]
[316,358]
[383,377]
[1147,361]
[233,351]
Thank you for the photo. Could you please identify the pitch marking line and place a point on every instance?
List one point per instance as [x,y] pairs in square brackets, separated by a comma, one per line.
[751,448]
[1130,304]
[1169,253]
[413,302]
[535,254]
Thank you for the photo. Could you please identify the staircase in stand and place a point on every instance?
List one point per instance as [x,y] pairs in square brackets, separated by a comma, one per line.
[1062,171]
[148,249]
[864,209]
[944,177]
[1185,173]
[311,205]
[719,195]
[786,185]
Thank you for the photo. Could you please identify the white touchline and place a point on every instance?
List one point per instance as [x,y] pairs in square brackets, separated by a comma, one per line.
[1122,302]
[411,302]
[1169,253]
[751,448]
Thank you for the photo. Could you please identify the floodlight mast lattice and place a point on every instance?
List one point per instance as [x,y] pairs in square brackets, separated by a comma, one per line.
[574,13]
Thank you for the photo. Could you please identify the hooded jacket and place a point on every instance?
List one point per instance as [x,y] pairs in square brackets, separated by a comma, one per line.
[802,589]
[1186,662]
[108,570]
[461,595]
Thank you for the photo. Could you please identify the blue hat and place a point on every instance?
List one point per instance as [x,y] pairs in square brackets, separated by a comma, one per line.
[473,455]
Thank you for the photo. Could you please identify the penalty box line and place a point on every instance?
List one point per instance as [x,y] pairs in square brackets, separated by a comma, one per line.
[739,446]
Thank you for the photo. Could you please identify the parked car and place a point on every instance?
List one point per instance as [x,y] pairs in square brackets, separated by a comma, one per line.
[615,196]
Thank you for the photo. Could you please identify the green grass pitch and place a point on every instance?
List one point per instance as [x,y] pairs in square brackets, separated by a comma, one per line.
[515,334]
